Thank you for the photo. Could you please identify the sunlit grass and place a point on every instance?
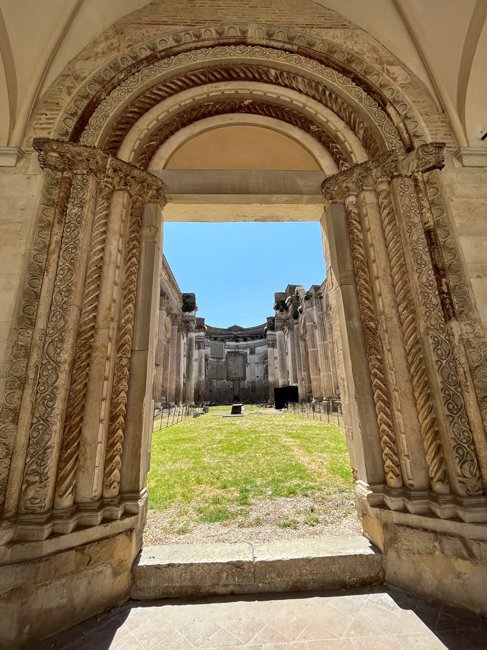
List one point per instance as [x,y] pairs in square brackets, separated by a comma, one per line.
[213,468]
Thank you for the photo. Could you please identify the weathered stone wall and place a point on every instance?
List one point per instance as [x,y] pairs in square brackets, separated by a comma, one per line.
[466,188]
[302,338]
[236,365]
[20,191]
[38,597]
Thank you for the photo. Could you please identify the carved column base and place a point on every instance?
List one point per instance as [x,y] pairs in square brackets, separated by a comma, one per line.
[424,502]
[30,527]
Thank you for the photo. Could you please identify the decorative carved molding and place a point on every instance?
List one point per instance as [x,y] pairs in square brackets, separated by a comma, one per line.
[68,461]
[232,71]
[468,481]
[412,342]
[48,407]
[159,135]
[24,347]
[117,175]
[374,353]
[385,167]
[465,309]
[118,404]
[68,157]
[311,49]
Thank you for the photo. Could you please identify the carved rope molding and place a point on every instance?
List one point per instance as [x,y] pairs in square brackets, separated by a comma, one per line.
[280,38]
[125,331]
[465,309]
[338,188]
[381,172]
[155,138]
[57,353]
[233,71]
[392,167]
[68,461]
[412,343]
[459,437]
[118,176]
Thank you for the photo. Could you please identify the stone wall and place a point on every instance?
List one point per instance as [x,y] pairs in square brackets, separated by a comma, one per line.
[303,343]
[236,365]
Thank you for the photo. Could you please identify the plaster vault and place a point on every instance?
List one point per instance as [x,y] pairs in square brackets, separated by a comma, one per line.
[77,411]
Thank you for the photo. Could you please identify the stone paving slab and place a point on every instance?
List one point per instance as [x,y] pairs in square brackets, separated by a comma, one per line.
[289,565]
[377,617]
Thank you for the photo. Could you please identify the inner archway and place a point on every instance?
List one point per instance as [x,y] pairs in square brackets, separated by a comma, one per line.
[77,414]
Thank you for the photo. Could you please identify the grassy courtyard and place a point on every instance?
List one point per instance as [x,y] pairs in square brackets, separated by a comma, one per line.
[262,469]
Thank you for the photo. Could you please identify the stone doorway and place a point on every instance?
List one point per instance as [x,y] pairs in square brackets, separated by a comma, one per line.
[75,420]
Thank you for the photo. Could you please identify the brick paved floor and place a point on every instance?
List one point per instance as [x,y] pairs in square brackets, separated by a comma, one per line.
[378,618]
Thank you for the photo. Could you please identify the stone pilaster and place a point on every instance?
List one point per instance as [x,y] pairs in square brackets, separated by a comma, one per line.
[180,365]
[85,328]
[200,362]
[160,368]
[189,384]
[271,363]
[173,359]
[135,444]
[282,368]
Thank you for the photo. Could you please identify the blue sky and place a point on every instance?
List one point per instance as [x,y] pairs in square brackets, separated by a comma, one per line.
[235,268]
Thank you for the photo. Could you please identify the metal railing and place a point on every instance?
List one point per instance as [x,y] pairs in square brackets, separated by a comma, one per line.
[328,411]
[166,416]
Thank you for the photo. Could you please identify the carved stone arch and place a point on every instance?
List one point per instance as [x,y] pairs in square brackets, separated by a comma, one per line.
[310,49]
[171,77]
[147,135]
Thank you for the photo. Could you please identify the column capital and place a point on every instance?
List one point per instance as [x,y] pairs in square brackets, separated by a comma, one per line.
[383,168]
[116,174]
[69,157]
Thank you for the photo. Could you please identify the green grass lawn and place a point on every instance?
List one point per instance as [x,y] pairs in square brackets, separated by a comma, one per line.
[212,468]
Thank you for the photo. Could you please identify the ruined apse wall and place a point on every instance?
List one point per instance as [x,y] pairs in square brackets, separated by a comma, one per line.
[196,363]
[236,365]
[302,342]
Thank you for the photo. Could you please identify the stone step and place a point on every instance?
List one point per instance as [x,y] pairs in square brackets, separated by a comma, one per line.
[191,570]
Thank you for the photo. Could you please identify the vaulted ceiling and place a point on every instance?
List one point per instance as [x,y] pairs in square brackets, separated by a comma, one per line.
[443,42]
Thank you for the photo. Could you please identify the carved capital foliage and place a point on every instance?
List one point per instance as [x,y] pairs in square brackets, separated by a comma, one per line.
[70,158]
[135,181]
[115,174]
[383,168]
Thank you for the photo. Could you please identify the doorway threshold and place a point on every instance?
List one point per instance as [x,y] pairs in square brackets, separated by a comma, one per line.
[307,564]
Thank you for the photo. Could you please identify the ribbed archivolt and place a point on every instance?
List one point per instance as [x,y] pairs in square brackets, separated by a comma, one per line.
[374,355]
[421,389]
[118,405]
[68,462]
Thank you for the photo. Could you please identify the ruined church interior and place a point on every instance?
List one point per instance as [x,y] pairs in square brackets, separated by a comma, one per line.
[368,118]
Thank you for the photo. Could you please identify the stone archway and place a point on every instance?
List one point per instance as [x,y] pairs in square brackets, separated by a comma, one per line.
[75,421]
